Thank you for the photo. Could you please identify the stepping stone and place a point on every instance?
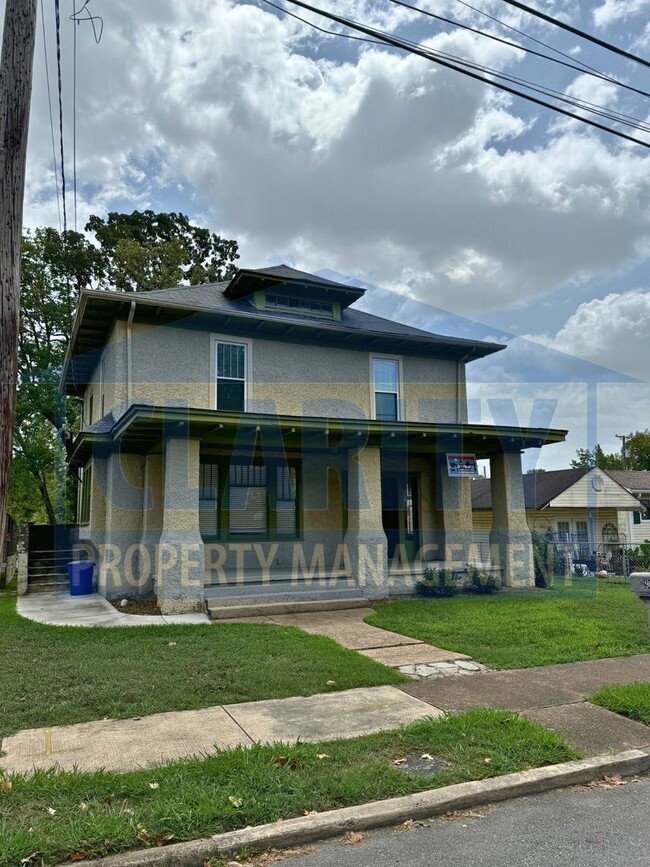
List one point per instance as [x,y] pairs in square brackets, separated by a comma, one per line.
[415,654]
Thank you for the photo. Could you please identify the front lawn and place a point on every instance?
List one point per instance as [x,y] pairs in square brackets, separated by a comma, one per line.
[587,619]
[58,816]
[629,699]
[52,675]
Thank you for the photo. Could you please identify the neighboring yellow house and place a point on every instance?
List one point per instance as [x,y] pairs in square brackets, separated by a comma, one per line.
[586,512]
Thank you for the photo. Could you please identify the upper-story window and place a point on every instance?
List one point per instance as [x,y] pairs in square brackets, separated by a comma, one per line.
[231,375]
[300,305]
[385,376]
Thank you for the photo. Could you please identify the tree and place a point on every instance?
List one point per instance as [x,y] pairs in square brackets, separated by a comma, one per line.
[144,250]
[596,457]
[135,249]
[637,450]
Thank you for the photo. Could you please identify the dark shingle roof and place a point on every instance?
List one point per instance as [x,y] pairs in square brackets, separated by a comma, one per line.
[210,297]
[539,488]
[633,480]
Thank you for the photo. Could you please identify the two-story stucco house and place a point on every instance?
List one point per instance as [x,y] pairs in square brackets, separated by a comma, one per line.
[263,436]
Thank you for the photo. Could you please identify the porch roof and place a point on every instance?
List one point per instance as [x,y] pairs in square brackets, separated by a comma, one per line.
[143,428]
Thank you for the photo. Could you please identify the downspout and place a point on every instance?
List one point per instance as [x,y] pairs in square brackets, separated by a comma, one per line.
[129,355]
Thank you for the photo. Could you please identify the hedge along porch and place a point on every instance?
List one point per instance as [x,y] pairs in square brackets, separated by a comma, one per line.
[186,503]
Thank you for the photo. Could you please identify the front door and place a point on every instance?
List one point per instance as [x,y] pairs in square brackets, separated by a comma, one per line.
[400,512]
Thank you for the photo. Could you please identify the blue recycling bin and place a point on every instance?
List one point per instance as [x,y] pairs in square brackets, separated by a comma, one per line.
[80,575]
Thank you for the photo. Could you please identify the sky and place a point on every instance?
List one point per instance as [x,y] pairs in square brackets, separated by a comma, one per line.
[467,211]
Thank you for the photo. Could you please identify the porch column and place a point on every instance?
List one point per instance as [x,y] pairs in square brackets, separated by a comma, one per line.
[180,553]
[510,539]
[455,501]
[365,540]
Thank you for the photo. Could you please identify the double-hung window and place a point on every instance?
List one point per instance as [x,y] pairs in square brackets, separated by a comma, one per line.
[231,375]
[385,376]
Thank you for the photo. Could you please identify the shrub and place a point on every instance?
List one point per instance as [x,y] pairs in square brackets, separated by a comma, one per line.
[545,560]
[437,582]
[481,581]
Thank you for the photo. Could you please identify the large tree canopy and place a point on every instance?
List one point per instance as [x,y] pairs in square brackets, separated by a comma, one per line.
[131,252]
[145,250]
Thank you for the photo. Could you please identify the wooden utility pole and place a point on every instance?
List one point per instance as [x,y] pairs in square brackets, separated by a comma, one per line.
[16,66]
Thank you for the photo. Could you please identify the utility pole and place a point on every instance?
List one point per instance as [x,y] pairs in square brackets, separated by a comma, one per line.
[623,438]
[16,65]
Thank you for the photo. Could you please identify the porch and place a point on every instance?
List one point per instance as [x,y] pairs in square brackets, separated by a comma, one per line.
[195,505]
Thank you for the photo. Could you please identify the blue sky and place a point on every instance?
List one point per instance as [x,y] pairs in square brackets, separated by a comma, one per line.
[478,213]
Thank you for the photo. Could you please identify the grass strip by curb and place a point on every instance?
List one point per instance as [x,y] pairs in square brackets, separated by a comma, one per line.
[75,814]
[628,699]
[308,829]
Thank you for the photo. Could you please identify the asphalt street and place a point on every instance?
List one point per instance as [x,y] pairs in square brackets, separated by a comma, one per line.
[604,826]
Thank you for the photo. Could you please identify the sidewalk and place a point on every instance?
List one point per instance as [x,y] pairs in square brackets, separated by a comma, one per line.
[62,609]
[553,696]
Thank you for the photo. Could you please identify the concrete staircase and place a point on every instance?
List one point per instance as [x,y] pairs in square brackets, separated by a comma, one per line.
[47,571]
[281,594]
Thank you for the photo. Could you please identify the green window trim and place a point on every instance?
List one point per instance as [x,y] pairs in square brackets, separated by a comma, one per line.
[274,484]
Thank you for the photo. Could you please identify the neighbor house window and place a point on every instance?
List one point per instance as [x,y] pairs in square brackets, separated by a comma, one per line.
[84,497]
[582,531]
[231,375]
[563,531]
[258,500]
[385,374]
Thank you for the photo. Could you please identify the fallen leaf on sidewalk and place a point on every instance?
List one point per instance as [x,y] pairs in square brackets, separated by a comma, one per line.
[310,812]
[412,823]
[399,761]
[331,683]
[606,783]
[459,815]
[353,837]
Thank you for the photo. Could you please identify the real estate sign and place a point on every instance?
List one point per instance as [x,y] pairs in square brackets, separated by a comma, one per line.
[462,465]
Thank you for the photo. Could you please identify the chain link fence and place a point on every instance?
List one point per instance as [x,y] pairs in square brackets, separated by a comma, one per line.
[555,558]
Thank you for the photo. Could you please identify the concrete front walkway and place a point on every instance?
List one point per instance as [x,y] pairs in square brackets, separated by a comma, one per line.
[553,696]
[61,609]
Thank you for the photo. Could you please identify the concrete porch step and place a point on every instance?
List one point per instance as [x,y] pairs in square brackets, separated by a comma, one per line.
[59,585]
[267,608]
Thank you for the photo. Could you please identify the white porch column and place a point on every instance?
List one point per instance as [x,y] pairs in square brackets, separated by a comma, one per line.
[510,539]
[180,552]
[365,540]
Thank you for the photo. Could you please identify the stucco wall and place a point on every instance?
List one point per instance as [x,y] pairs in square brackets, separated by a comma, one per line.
[175,365]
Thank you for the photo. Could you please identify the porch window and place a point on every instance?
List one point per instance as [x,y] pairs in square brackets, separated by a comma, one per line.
[385,373]
[285,502]
[247,500]
[563,531]
[84,498]
[231,376]
[209,499]
[582,531]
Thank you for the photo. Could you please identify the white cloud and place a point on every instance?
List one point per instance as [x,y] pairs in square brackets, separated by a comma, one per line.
[612,11]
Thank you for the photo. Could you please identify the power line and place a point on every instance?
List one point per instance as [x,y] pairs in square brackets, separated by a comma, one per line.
[57,18]
[526,35]
[570,64]
[577,32]
[49,103]
[466,68]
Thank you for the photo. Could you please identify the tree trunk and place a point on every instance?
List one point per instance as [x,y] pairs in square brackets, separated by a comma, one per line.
[15,93]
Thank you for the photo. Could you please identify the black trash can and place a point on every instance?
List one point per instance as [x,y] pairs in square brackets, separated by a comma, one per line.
[80,575]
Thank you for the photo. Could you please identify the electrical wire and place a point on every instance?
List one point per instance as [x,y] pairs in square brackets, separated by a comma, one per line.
[49,103]
[465,68]
[570,64]
[526,35]
[57,19]
[577,32]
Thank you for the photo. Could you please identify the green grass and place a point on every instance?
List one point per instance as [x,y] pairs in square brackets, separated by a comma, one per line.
[97,813]
[52,675]
[583,620]
[629,699]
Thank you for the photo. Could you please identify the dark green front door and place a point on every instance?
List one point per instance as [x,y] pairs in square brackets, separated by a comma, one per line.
[400,512]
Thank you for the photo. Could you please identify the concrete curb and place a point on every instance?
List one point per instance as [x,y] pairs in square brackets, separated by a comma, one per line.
[378,814]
